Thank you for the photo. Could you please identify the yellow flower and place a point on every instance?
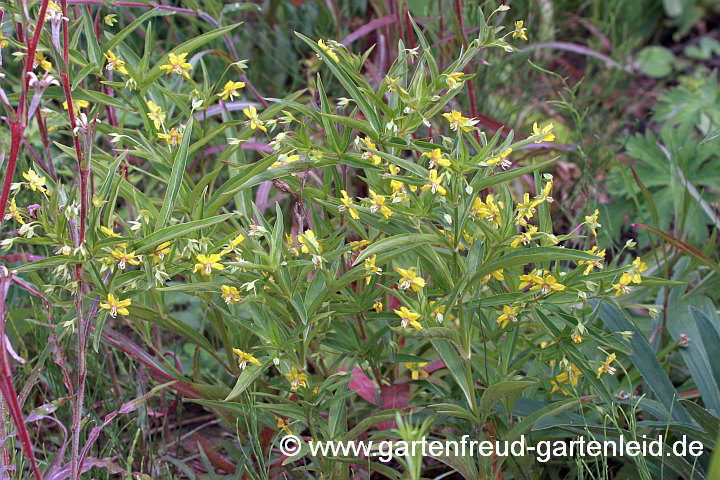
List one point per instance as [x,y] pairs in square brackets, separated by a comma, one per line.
[329,51]
[37,183]
[545,195]
[509,315]
[501,159]
[545,344]
[231,90]
[77,105]
[110,20]
[393,86]
[245,358]
[308,238]
[458,121]
[357,245]
[230,295]
[622,288]
[524,238]
[435,183]
[409,279]
[296,379]
[367,143]
[52,10]
[281,424]
[576,337]
[437,158]
[488,210]
[42,62]
[371,268]
[378,203]
[638,266]
[439,312]
[593,263]
[347,205]
[160,252]
[545,132]
[519,30]
[14,213]
[530,278]
[378,306]
[115,63]
[254,120]
[156,114]
[497,275]
[408,318]
[109,232]
[417,370]
[123,258]
[606,366]
[233,244]
[116,306]
[206,264]
[173,137]
[525,210]
[547,284]
[592,222]
[3,41]
[454,80]
[177,65]
[571,376]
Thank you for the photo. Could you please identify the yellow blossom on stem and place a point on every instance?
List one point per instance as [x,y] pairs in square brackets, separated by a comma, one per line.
[177,65]
[173,137]
[109,232]
[245,358]
[408,318]
[547,284]
[14,213]
[520,31]
[457,121]
[110,19]
[156,114]
[525,237]
[123,258]
[622,288]
[488,210]
[160,252]
[592,222]
[509,315]
[570,376]
[501,159]
[436,157]
[296,379]
[281,424]
[77,105]
[116,306]
[253,119]
[329,51]
[593,263]
[35,181]
[576,337]
[230,294]
[544,131]
[607,367]
[359,244]
[638,266]
[230,90]
[409,279]
[439,312]
[454,80]
[377,203]
[378,306]
[525,210]
[371,268]
[417,370]
[233,244]
[206,264]
[497,275]
[376,159]
[52,10]
[347,205]
[435,183]
[3,41]
[308,238]
[42,62]
[115,63]
[529,279]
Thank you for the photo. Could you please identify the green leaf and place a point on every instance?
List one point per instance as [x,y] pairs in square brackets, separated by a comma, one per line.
[246,378]
[166,234]
[499,391]
[94,53]
[399,241]
[455,365]
[176,177]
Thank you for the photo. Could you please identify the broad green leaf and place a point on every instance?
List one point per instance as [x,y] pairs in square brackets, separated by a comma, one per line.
[176,177]
[166,234]
[246,378]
